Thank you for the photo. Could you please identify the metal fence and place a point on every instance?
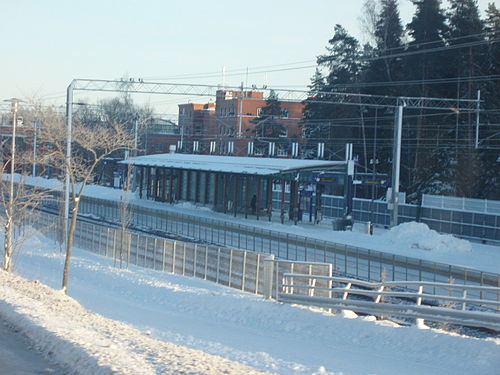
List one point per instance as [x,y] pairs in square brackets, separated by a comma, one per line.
[361,263]
[474,219]
[239,269]
[346,260]
[462,204]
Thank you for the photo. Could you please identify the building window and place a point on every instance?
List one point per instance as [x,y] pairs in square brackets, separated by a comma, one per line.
[284,113]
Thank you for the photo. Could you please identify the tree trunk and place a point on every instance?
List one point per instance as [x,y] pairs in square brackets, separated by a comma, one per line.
[69,245]
[8,243]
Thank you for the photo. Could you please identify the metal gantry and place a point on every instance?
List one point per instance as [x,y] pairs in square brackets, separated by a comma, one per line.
[139,86]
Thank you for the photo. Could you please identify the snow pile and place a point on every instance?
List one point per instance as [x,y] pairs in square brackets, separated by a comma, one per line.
[92,344]
[418,236]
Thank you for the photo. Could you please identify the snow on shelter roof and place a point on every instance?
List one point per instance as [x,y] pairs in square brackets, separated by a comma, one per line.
[232,164]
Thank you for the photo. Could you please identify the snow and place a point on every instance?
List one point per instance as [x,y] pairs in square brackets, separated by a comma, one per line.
[418,236]
[231,164]
[139,321]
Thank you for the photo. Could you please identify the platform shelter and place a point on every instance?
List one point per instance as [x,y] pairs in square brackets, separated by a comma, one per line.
[230,184]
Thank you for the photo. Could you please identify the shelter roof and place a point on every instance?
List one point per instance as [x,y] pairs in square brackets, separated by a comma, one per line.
[233,164]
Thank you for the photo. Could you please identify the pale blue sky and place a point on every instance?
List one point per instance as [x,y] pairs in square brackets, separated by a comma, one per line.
[47,43]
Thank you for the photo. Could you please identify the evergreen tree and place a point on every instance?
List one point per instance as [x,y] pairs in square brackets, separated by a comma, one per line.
[388,34]
[268,126]
[466,27]
[427,31]
[314,110]
[489,140]
[343,65]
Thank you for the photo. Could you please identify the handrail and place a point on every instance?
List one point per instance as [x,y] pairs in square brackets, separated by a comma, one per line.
[462,317]
[370,284]
[452,309]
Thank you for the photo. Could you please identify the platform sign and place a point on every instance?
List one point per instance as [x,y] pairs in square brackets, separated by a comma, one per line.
[328,178]
[379,180]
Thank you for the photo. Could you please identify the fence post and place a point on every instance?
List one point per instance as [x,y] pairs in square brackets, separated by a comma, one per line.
[230,266]
[268,276]
[206,261]
[173,257]
[154,253]
[244,270]
[420,321]
[195,258]
[163,256]
[129,245]
[218,265]
[257,274]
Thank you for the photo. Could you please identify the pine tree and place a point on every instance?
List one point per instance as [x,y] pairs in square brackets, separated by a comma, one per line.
[489,140]
[314,110]
[466,27]
[268,126]
[427,31]
[388,34]
[344,65]
[322,122]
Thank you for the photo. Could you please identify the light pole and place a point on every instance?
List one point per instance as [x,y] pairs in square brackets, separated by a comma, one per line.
[396,162]
[69,123]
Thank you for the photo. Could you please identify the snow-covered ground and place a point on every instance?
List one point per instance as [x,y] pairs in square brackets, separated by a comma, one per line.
[162,323]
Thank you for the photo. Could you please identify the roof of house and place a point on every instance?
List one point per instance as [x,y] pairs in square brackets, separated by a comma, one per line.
[233,164]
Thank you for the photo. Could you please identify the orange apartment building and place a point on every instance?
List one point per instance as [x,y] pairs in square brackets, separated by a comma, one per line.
[228,127]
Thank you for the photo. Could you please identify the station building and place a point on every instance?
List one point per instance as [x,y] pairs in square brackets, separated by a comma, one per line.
[234,185]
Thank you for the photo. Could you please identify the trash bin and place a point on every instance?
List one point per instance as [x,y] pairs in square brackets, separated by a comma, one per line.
[342,224]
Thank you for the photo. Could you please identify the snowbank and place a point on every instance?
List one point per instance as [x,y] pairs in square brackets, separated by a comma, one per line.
[415,235]
[91,344]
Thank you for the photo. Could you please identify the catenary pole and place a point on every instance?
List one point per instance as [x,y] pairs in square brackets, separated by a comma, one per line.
[396,163]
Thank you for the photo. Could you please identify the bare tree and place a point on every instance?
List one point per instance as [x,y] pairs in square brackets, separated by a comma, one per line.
[125,217]
[90,145]
[19,202]
[368,20]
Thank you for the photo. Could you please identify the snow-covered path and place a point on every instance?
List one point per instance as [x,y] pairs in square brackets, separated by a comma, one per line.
[19,356]
[243,328]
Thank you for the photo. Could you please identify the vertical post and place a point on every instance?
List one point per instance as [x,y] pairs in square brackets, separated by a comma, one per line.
[69,123]
[269,198]
[268,276]
[478,104]
[35,134]
[136,133]
[396,164]
[247,195]
[240,124]
[282,207]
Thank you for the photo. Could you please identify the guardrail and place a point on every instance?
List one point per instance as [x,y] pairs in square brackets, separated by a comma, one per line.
[446,303]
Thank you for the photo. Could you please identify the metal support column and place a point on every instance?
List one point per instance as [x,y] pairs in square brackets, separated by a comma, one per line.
[396,164]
